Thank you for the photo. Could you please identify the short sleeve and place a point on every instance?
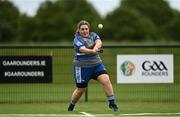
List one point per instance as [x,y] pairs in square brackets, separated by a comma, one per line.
[95,36]
[77,43]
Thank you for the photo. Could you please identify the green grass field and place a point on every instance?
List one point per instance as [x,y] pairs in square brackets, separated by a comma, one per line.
[89,107]
[53,98]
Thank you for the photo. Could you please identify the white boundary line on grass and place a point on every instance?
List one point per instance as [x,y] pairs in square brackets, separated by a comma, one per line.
[95,115]
[87,114]
[39,115]
[84,114]
[153,114]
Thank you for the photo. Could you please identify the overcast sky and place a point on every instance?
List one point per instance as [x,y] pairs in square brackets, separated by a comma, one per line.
[103,6]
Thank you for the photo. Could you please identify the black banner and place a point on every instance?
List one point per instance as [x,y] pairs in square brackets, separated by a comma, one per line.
[25,69]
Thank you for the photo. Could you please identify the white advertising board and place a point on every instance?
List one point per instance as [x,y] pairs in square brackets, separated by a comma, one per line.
[145,68]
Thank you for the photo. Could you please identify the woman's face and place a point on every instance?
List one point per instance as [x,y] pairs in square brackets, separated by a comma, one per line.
[84,30]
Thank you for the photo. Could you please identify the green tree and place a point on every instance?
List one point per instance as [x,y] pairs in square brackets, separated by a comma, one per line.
[26,28]
[158,11]
[9,16]
[173,27]
[57,20]
[125,23]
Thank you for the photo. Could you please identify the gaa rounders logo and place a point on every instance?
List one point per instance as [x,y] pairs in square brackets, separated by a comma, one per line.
[127,68]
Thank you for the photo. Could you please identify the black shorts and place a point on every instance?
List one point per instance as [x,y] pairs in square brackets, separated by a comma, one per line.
[93,76]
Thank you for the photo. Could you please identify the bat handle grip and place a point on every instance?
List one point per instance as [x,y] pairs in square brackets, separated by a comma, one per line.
[100,51]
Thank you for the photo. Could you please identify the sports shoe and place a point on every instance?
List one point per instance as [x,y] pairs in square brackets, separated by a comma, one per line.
[114,107]
[71,107]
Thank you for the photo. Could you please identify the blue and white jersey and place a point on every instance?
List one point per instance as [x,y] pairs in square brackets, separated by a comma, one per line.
[82,59]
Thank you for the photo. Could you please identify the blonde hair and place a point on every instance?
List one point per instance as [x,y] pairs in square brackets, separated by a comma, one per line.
[82,22]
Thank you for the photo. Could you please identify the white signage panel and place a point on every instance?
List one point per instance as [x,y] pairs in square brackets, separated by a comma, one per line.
[145,69]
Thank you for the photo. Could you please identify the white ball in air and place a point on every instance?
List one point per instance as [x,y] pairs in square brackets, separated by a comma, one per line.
[100,26]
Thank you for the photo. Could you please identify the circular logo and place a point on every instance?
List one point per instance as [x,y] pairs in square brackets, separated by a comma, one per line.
[127,68]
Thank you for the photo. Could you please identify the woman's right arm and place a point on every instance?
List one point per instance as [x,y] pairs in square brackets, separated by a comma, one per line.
[85,50]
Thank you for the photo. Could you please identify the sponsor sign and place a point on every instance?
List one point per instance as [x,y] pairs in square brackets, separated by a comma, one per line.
[145,69]
[25,69]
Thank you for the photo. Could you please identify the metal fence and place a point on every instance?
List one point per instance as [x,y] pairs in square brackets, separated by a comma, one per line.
[63,84]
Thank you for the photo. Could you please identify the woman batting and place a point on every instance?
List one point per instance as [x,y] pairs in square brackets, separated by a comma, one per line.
[88,65]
